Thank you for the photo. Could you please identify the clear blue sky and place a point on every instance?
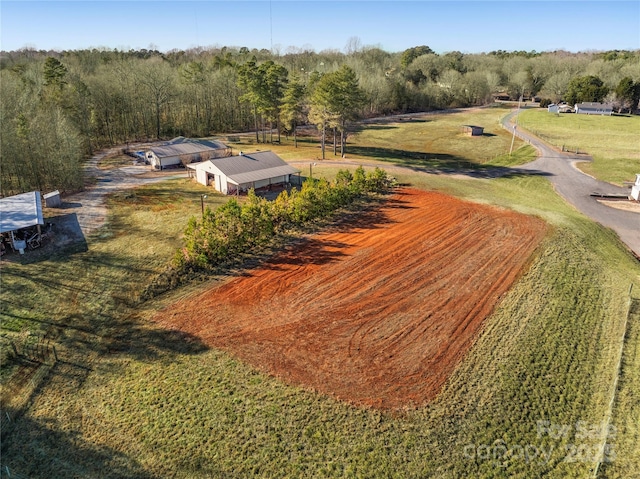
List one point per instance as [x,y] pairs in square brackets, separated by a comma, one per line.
[467,26]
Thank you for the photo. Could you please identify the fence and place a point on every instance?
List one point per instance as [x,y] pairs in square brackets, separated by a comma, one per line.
[547,139]
[7,473]
[38,358]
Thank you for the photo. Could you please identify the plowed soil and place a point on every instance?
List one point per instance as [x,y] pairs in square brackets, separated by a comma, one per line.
[377,312]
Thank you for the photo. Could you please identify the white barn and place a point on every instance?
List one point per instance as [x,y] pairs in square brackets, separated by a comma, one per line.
[593,108]
[183,151]
[233,174]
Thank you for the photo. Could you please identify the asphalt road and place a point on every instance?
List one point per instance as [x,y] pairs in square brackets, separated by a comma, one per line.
[576,187]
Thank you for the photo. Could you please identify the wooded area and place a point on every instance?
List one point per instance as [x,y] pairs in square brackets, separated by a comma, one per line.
[58,107]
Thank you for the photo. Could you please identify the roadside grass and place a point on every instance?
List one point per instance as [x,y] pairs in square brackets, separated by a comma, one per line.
[626,417]
[155,403]
[612,141]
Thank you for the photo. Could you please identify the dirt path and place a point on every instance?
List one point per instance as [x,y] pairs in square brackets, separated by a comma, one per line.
[83,213]
[375,313]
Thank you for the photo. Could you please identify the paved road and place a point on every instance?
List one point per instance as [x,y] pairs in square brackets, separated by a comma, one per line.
[576,187]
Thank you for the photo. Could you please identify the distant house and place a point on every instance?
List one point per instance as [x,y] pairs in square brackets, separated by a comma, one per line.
[19,215]
[501,96]
[635,189]
[564,108]
[230,175]
[183,151]
[593,108]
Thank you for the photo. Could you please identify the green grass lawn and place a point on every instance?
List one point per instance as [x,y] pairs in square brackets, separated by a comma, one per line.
[131,399]
[435,142]
[612,141]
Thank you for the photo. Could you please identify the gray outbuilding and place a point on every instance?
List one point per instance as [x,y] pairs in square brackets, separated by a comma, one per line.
[593,108]
[182,151]
[233,174]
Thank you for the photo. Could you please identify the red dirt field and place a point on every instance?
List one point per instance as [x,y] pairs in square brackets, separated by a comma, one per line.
[377,312]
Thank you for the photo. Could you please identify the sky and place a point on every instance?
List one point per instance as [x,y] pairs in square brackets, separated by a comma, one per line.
[468,26]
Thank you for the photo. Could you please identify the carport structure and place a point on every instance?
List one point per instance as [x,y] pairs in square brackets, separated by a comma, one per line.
[19,214]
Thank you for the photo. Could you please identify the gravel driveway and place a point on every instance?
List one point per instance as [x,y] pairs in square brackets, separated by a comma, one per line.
[83,213]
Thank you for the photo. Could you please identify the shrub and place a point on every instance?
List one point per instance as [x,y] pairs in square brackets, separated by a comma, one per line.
[233,228]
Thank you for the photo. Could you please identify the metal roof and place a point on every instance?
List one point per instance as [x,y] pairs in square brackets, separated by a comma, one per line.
[20,211]
[233,166]
[181,146]
[251,176]
[594,106]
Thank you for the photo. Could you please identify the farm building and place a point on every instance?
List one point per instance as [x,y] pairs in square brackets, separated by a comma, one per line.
[593,108]
[182,151]
[233,174]
[20,219]
[473,130]
[635,189]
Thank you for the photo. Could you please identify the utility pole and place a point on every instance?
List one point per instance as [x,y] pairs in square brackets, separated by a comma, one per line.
[513,138]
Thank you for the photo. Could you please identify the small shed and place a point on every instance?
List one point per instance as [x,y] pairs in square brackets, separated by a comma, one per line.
[52,200]
[473,130]
[553,108]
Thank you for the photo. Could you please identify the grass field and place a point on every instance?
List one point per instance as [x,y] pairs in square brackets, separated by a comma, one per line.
[131,399]
[612,141]
[433,142]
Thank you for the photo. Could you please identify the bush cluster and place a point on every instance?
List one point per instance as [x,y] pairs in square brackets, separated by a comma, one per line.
[235,228]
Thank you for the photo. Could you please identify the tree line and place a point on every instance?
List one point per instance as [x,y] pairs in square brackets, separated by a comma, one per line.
[58,107]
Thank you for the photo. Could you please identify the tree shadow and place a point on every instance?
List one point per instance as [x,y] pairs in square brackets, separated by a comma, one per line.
[86,343]
[62,236]
[319,250]
[440,163]
[39,449]
[373,127]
